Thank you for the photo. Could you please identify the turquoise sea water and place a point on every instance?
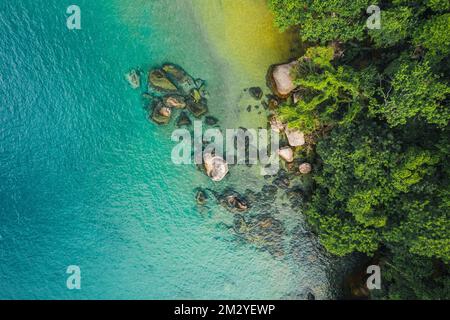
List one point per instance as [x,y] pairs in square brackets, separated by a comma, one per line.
[86,180]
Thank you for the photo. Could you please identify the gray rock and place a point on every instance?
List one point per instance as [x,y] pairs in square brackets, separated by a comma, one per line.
[201,197]
[210,121]
[158,80]
[256,92]
[183,119]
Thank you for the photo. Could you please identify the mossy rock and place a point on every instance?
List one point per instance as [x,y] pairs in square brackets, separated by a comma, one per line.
[183,119]
[197,108]
[159,81]
[182,80]
[160,113]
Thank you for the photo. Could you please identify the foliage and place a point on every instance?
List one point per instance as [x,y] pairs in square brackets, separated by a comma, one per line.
[396,26]
[329,95]
[417,93]
[434,35]
[408,276]
[322,21]
[381,178]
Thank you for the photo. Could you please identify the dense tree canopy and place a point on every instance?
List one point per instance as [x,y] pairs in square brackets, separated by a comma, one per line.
[382,174]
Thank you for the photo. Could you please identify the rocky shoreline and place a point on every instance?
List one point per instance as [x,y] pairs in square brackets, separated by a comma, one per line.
[174,94]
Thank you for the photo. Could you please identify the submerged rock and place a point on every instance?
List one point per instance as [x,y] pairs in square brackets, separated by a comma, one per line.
[310,296]
[256,92]
[210,121]
[263,231]
[280,79]
[282,182]
[147,96]
[199,83]
[295,196]
[158,80]
[160,113]
[216,167]
[295,137]
[234,202]
[201,197]
[286,154]
[134,78]
[183,119]
[197,108]
[269,190]
[175,101]
[182,80]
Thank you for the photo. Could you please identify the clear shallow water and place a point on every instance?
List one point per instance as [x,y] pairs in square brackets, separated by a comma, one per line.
[85,179]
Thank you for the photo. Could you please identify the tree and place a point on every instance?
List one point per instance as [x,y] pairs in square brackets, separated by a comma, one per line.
[434,36]
[381,178]
[329,95]
[397,24]
[416,93]
[322,21]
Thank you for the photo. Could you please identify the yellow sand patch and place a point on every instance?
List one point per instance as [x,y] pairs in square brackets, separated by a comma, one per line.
[244,34]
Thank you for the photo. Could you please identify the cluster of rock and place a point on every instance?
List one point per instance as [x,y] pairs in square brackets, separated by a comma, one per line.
[171,89]
[263,231]
[280,79]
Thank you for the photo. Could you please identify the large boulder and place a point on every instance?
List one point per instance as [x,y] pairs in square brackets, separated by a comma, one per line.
[158,80]
[161,114]
[295,137]
[216,167]
[183,81]
[280,79]
[286,154]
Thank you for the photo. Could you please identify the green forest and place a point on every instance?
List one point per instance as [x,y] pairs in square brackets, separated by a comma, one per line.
[375,101]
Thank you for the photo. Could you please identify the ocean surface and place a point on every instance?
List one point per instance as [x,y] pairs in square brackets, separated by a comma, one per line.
[87,180]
